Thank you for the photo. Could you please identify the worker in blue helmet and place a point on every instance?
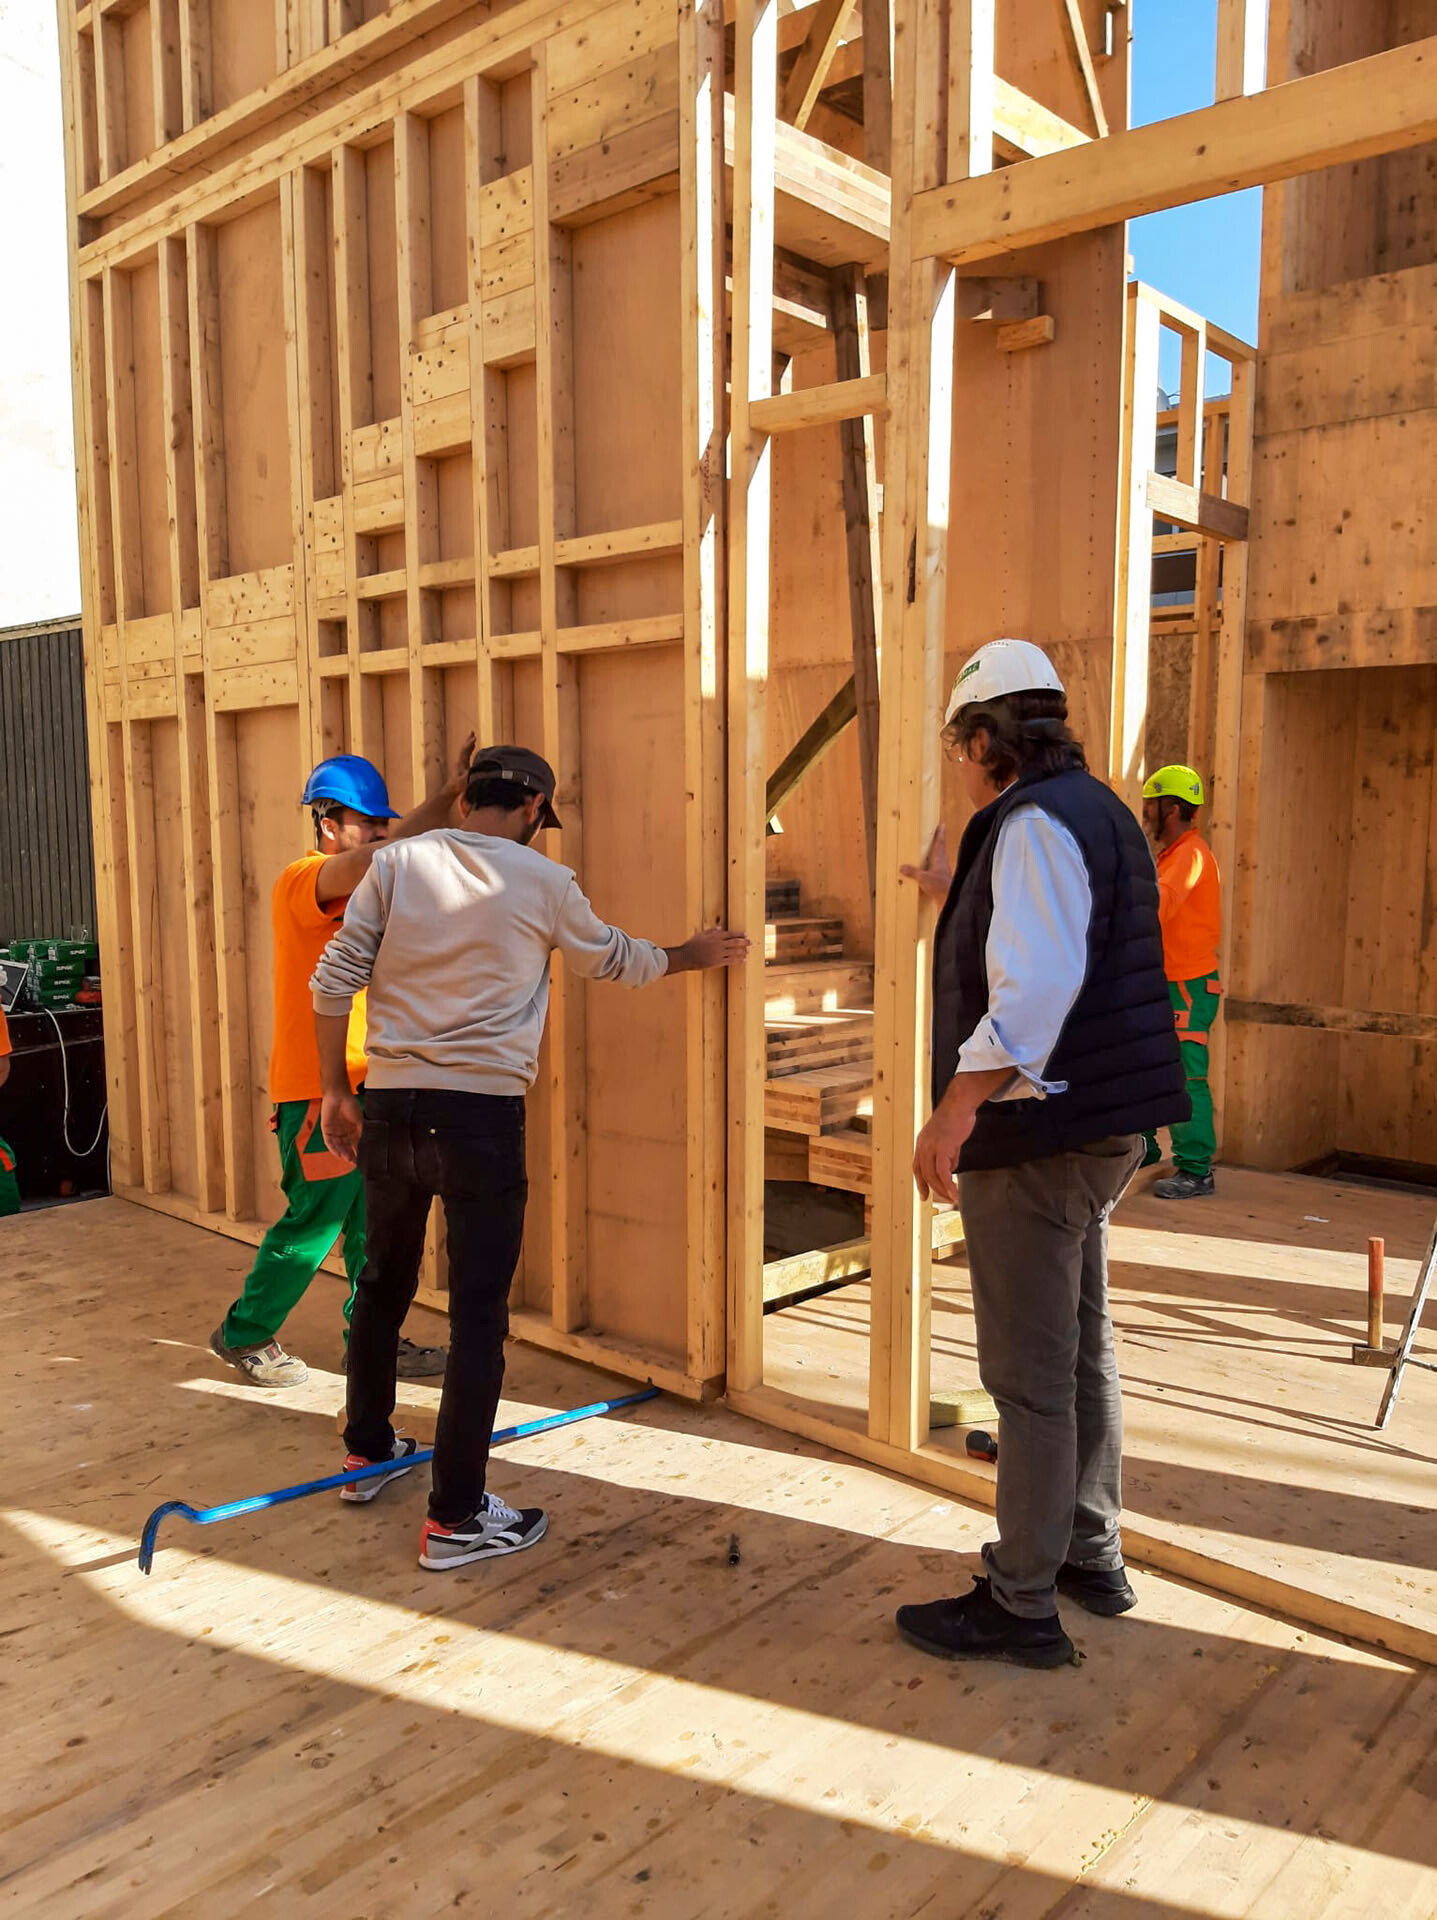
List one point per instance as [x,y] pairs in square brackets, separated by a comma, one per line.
[324,1196]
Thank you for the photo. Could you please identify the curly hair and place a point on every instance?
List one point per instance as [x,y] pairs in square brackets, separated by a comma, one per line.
[1027,734]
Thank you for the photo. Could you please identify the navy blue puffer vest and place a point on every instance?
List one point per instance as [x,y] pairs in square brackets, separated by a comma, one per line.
[1118,1050]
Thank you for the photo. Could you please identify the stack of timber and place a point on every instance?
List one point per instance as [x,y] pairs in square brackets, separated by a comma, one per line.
[818,1035]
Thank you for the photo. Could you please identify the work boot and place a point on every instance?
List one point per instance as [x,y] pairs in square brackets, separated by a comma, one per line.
[419,1363]
[978,1627]
[266,1366]
[363,1490]
[493,1530]
[411,1362]
[1184,1186]
[1104,1590]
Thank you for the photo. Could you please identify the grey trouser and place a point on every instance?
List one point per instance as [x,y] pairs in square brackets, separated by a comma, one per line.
[1037,1240]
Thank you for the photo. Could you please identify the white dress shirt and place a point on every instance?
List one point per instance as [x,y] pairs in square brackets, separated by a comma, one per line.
[1037,952]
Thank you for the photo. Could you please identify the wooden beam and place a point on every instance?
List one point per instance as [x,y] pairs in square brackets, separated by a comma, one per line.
[834,1266]
[815,740]
[750,533]
[857,443]
[820,406]
[1027,127]
[1241,47]
[809,72]
[1376,105]
[1016,336]
[1200,512]
[1083,60]
[1282,1013]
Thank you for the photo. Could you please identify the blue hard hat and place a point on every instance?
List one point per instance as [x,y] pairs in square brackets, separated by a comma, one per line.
[351,781]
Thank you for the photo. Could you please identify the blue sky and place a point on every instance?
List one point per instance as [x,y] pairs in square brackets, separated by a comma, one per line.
[1204,255]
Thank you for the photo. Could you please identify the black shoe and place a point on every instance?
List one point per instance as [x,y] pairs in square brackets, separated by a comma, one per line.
[1102,1590]
[1184,1186]
[978,1627]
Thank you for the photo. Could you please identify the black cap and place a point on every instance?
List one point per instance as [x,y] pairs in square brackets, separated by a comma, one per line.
[531,771]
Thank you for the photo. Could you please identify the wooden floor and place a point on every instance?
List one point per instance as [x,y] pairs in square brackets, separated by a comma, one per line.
[1250,1447]
[289,1717]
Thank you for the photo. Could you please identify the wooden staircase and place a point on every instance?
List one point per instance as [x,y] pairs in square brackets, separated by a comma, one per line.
[818,1021]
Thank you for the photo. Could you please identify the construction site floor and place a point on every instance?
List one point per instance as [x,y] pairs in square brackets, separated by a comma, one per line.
[290,1717]
[1251,1458]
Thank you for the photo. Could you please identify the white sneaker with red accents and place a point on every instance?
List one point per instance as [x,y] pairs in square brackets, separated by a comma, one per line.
[494,1529]
[366,1489]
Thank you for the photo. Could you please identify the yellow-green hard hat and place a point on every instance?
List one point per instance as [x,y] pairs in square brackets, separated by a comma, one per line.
[1174,783]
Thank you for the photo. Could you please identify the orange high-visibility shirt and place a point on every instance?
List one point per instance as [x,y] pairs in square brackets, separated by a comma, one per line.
[303,927]
[4,1033]
[1189,907]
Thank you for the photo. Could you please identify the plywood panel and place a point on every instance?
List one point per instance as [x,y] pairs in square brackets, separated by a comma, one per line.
[626,369]
[151,517]
[174,1029]
[448,277]
[631,708]
[242,49]
[254,393]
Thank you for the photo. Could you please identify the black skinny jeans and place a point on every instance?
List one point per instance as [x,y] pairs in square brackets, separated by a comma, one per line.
[468,1148]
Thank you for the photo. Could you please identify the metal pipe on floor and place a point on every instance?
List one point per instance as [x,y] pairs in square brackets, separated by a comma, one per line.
[258,1502]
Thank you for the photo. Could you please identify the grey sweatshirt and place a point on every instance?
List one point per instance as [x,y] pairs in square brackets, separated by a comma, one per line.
[451,933]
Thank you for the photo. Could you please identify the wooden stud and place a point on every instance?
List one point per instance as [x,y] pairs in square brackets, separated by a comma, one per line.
[750,527]
[1241,47]
[1128,727]
[921,345]
[207,1118]
[820,406]
[221,750]
[567,1049]
[877,82]
[701,188]
[972,88]
[865,565]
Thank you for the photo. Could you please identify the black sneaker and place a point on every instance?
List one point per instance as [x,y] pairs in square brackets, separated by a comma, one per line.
[1104,1590]
[365,1490]
[978,1627]
[494,1530]
[1184,1186]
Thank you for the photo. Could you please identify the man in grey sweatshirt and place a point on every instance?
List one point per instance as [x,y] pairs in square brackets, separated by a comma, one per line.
[451,933]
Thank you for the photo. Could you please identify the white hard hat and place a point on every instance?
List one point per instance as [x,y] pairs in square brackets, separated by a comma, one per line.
[1003,666]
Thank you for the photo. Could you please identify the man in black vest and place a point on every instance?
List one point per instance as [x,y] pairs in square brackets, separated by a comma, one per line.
[1053,1053]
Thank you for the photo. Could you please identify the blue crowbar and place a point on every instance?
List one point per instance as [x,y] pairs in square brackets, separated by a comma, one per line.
[257,1502]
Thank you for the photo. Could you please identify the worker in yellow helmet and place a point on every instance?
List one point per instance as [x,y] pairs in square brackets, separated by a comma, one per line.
[1190,909]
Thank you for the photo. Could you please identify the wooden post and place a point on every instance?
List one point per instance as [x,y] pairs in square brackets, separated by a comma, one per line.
[1127,739]
[1241,47]
[1237,737]
[1371,1352]
[701,189]
[553,329]
[922,295]
[750,524]
[857,439]
[878,83]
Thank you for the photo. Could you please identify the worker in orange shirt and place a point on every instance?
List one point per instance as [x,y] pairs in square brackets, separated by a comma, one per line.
[1190,909]
[324,1196]
[9,1189]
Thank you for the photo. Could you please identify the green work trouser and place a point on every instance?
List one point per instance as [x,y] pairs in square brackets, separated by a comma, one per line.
[324,1197]
[1195,1008]
[9,1185]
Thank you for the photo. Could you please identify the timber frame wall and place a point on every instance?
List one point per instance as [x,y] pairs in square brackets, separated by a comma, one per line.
[400,372]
